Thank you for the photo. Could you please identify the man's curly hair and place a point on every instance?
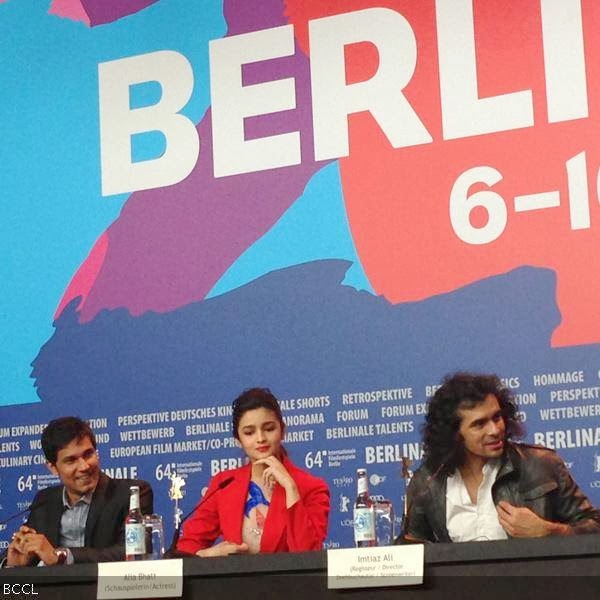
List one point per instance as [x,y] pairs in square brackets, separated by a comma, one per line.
[442,444]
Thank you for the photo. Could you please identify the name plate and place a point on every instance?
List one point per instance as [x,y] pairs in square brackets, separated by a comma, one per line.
[375,567]
[140,579]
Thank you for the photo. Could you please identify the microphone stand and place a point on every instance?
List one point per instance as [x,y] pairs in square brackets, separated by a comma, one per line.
[172,551]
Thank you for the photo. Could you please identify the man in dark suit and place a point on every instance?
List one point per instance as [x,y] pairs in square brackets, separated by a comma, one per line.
[81,520]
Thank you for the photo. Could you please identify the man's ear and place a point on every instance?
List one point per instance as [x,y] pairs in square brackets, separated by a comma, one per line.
[52,468]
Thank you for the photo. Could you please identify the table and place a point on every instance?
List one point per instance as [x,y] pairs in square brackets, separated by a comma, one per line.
[548,569]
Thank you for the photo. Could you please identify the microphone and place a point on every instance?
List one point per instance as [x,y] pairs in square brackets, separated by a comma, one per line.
[172,551]
[32,507]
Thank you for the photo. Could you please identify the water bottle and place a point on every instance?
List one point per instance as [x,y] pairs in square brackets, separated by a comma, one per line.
[364,513]
[135,531]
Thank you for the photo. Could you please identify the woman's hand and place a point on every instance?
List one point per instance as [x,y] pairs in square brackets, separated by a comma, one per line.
[223,549]
[275,472]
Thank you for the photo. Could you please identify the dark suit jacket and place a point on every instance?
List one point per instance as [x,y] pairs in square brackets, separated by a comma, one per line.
[105,525]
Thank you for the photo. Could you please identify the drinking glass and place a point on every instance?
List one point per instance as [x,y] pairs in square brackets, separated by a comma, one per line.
[384,523]
[155,537]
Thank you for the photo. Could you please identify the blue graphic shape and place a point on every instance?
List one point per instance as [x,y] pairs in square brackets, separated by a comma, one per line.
[297,326]
[315,227]
[49,158]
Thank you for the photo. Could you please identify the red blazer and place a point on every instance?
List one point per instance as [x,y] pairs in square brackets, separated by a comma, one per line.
[299,528]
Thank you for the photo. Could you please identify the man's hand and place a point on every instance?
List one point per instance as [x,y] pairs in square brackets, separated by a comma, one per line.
[37,544]
[17,555]
[519,521]
[223,549]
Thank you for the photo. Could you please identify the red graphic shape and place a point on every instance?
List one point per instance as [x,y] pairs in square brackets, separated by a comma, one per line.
[398,199]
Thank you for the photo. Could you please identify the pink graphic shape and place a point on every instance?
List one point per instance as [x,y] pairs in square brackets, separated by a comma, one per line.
[97,12]
[87,273]
[70,9]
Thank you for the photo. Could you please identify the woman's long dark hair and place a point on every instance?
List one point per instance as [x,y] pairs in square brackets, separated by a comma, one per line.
[442,447]
[252,399]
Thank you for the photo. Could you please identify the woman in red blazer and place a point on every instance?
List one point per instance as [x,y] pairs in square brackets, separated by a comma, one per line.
[270,505]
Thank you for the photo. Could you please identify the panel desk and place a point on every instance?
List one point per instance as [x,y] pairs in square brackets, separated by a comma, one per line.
[549,569]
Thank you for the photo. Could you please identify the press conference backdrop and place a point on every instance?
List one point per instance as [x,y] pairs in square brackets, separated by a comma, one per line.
[342,201]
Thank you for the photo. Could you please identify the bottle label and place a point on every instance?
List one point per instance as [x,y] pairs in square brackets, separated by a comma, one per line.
[364,524]
[134,498]
[135,541]
[362,485]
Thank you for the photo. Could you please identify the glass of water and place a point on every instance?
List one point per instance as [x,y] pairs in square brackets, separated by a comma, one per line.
[384,523]
[155,537]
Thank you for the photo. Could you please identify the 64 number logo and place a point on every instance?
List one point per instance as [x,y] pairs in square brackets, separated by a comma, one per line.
[163,471]
[314,458]
[25,482]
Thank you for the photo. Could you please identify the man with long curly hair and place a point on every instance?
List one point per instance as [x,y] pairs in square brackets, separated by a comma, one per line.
[475,483]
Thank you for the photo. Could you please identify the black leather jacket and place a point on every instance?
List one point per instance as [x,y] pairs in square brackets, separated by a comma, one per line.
[529,476]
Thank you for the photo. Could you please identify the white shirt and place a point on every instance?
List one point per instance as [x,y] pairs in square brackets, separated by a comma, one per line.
[467,521]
